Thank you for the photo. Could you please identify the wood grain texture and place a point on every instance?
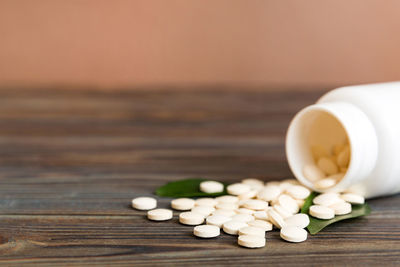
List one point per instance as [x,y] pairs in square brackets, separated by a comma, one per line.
[70,162]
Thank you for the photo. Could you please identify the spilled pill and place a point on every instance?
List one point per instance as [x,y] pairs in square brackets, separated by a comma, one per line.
[144,203]
[206,231]
[159,214]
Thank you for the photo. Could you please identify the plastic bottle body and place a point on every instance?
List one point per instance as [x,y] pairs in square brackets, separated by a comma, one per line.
[368,117]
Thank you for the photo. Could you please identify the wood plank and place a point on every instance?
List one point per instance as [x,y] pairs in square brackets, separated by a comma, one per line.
[71,161]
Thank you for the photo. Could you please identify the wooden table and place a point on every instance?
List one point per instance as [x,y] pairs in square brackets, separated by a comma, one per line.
[71,161]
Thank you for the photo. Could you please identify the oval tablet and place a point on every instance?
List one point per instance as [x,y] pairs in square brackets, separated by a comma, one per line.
[261,215]
[255,204]
[313,173]
[285,185]
[270,192]
[267,226]
[325,183]
[211,187]
[182,203]
[276,219]
[288,203]
[299,220]
[144,203]
[217,220]
[293,234]
[206,231]
[238,189]
[298,192]
[321,212]
[159,214]
[341,208]
[327,199]
[252,230]
[353,198]
[233,227]
[248,195]
[251,241]
[282,211]
[191,218]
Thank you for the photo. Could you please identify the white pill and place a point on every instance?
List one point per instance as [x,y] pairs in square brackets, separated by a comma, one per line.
[206,231]
[251,241]
[238,189]
[243,218]
[284,186]
[293,234]
[211,202]
[343,158]
[282,211]
[255,204]
[227,199]
[299,220]
[245,211]
[144,203]
[253,182]
[341,208]
[327,165]
[182,204]
[191,218]
[226,206]
[353,198]
[203,210]
[250,194]
[217,220]
[226,213]
[325,183]
[261,215]
[327,199]
[252,230]
[270,192]
[233,227]
[313,173]
[267,226]
[288,203]
[211,187]
[276,219]
[298,192]
[337,176]
[321,212]
[159,214]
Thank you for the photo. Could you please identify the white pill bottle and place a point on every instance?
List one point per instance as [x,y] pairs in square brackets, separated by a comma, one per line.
[367,117]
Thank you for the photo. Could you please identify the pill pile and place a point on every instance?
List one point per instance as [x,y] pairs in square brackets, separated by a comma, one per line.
[251,209]
[329,167]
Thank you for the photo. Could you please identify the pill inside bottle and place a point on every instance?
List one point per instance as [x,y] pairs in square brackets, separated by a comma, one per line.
[321,147]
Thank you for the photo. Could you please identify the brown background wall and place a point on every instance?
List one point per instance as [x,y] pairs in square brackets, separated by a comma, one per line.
[137,43]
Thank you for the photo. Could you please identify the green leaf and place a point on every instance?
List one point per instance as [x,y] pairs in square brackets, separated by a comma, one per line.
[186,188]
[317,225]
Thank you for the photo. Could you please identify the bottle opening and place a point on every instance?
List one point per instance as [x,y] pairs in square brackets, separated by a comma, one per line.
[318,148]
